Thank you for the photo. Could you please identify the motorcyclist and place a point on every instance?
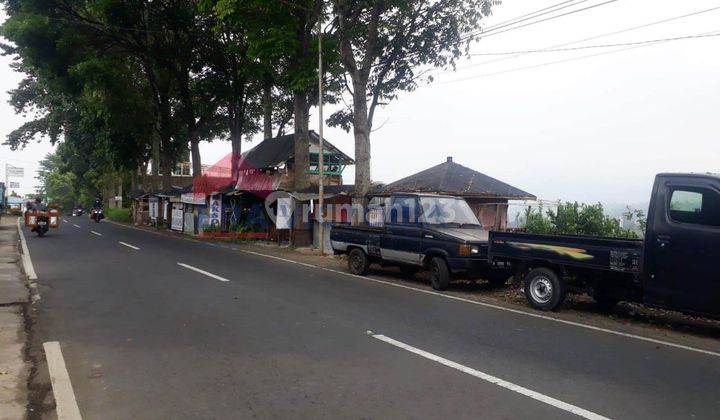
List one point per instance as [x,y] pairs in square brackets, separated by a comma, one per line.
[98,203]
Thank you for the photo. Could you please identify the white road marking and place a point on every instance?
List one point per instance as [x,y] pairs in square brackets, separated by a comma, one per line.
[460,299]
[65,403]
[128,245]
[190,267]
[65,221]
[96,233]
[27,261]
[76,226]
[494,380]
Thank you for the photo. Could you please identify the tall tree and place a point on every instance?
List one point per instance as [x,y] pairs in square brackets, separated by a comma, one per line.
[384,46]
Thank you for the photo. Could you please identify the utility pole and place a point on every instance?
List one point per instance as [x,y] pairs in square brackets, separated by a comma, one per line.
[321,155]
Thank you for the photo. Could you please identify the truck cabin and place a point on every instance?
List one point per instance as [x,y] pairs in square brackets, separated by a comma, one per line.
[422,209]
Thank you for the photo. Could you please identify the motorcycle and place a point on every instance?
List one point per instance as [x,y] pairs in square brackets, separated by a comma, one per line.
[41,225]
[40,221]
[97,215]
[77,212]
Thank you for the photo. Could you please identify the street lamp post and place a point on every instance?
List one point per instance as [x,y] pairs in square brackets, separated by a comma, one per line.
[321,155]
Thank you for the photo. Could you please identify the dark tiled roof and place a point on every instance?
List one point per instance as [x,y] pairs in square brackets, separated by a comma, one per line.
[454,179]
[136,194]
[273,152]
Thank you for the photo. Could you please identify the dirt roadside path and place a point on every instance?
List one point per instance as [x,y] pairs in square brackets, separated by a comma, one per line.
[14,304]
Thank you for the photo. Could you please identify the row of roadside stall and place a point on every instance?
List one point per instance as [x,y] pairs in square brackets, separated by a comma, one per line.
[259,199]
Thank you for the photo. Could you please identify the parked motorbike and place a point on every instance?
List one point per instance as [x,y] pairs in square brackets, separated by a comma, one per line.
[97,215]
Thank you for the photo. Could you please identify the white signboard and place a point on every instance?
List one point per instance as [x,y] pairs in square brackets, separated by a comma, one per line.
[14,184]
[177,219]
[192,198]
[14,171]
[189,223]
[215,210]
[284,213]
[153,208]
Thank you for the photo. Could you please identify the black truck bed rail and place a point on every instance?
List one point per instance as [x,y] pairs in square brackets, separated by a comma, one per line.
[600,253]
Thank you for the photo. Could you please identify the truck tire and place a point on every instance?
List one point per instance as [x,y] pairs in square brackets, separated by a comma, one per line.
[358,262]
[544,289]
[439,274]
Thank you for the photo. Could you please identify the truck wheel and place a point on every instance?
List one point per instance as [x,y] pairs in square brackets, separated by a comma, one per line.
[358,262]
[408,270]
[439,274]
[544,290]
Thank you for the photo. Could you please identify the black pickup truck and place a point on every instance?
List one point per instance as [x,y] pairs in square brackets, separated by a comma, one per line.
[674,267]
[421,231]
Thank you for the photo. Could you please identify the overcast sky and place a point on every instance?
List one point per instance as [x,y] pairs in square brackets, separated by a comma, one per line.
[592,129]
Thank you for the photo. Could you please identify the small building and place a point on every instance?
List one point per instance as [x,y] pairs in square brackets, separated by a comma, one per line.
[269,167]
[487,196]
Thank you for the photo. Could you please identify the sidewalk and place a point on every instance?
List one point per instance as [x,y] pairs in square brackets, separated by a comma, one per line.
[14,296]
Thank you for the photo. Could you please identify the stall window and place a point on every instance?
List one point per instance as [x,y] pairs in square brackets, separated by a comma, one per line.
[698,206]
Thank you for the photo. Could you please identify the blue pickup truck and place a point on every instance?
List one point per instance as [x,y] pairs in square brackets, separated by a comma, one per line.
[417,232]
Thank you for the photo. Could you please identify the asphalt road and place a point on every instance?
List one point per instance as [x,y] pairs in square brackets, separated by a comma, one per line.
[144,337]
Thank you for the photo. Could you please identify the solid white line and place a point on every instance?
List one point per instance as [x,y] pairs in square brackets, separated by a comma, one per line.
[76,226]
[27,261]
[494,380]
[474,302]
[190,267]
[65,221]
[96,233]
[128,245]
[65,403]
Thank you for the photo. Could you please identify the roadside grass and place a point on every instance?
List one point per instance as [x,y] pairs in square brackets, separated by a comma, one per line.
[119,215]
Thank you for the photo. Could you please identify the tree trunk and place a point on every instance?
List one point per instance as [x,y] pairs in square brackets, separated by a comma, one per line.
[301,140]
[236,143]
[166,165]
[267,107]
[361,132]
[195,155]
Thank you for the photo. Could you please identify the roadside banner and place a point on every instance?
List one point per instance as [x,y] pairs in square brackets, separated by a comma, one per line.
[153,208]
[177,218]
[215,210]
[284,213]
[14,184]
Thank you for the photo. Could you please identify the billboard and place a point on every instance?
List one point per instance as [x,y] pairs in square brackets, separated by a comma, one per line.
[14,171]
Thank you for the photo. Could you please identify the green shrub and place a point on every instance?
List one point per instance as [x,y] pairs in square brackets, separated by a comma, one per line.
[119,215]
[576,219]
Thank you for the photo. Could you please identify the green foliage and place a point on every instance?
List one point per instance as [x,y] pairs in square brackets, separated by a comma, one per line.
[120,215]
[575,219]
[57,185]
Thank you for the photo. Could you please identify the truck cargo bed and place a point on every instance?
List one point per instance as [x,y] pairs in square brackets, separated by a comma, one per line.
[612,254]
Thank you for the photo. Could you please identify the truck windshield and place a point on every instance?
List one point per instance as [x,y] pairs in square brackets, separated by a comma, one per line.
[447,210]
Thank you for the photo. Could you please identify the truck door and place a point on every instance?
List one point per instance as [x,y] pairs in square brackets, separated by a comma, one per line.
[684,240]
[402,239]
